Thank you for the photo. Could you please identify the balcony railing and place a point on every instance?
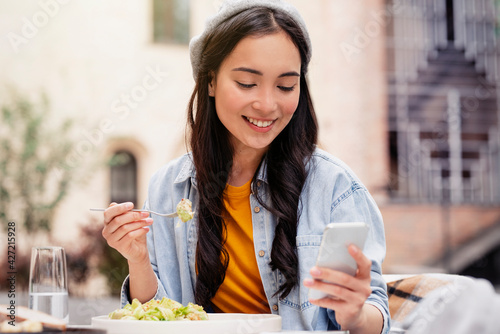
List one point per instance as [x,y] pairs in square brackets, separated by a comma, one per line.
[451,154]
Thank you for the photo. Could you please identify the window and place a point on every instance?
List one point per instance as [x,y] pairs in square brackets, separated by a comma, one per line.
[171,21]
[123,169]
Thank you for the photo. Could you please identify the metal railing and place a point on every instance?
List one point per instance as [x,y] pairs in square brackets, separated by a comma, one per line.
[475,22]
[425,173]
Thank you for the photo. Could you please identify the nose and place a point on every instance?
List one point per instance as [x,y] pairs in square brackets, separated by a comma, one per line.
[265,100]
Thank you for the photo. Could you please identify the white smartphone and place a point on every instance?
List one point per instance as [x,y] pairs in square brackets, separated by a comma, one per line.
[333,251]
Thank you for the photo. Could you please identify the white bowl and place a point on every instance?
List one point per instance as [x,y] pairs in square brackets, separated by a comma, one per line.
[217,323]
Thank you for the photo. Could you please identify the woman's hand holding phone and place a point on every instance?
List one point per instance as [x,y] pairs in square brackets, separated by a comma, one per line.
[341,278]
[346,294]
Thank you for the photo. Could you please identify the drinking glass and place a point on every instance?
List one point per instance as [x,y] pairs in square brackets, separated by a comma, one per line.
[48,284]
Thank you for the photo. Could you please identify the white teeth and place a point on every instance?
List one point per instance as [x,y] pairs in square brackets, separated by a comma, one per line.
[260,124]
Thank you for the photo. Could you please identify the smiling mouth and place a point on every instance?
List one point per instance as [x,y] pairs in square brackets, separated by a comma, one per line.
[257,123]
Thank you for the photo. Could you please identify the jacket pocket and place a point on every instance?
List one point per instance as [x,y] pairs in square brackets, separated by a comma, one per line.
[307,251]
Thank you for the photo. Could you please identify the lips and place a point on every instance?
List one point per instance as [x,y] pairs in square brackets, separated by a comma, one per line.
[259,123]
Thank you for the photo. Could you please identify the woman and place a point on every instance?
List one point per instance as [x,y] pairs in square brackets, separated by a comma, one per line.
[261,191]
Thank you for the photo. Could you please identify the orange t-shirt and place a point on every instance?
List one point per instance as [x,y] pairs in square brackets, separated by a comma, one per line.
[242,290]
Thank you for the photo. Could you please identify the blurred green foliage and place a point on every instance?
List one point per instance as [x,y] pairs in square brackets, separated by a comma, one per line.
[36,149]
[33,176]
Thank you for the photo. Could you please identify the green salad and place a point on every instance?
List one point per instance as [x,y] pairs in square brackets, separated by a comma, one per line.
[184,210]
[159,310]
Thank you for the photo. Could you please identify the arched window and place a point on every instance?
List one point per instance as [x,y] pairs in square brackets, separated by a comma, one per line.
[123,170]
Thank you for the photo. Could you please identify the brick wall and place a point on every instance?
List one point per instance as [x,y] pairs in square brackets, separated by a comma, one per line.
[415,233]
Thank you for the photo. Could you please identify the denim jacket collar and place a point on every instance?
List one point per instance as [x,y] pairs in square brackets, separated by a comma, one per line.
[188,171]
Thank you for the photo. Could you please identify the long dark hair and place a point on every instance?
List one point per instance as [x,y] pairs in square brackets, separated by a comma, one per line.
[213,154]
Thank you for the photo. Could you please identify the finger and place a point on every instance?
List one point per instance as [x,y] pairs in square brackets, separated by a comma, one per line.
[110,205]
[333,276]
[111,233]
[127,218]
[364,263]
[115,210]
[317,285]
[337,292]
[353,292]
[329,303]
[135,234]
[120,233]
[125,244]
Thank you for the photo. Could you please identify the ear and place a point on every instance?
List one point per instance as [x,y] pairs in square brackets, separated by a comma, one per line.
[211,86]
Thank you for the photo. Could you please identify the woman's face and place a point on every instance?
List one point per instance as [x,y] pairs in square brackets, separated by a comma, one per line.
[257,89]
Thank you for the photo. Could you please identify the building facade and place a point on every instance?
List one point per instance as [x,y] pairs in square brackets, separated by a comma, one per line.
[122,70]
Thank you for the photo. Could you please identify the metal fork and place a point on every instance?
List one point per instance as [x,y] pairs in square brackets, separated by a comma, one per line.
[169,215]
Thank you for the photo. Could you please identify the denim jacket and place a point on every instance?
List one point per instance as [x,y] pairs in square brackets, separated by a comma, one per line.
[331,193]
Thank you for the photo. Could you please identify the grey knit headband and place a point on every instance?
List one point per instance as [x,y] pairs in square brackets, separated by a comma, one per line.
[231,7]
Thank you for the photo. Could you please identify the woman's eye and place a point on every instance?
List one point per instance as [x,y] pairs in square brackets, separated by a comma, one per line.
[242,85]
[287,89]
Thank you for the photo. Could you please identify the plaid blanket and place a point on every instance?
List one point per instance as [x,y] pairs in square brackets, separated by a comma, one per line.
[405,294]
[441,303]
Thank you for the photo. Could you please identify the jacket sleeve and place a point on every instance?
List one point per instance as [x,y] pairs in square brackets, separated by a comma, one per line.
[357,204]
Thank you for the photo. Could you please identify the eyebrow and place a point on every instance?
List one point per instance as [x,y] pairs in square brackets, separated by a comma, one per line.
[250,70]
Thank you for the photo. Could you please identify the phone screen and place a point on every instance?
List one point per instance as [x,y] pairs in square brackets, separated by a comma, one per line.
[333,251]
